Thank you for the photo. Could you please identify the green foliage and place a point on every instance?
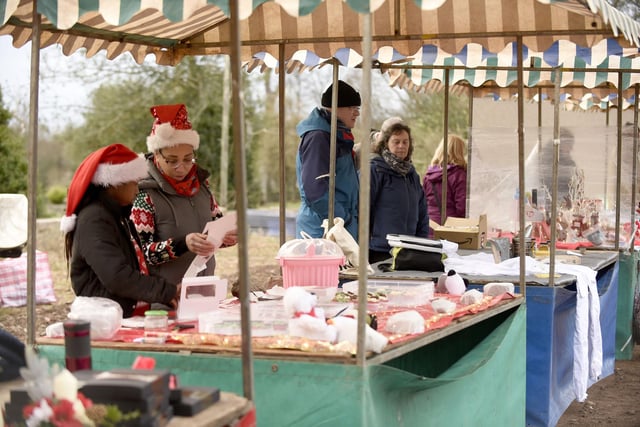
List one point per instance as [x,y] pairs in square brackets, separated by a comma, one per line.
[425,114]
[56,194]
[114,417]
[13,173]
[119,112]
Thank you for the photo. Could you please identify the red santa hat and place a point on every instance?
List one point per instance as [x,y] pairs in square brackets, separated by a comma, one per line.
[109,166]
[171,127]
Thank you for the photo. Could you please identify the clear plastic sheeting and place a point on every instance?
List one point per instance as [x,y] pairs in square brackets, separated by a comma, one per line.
[586,185]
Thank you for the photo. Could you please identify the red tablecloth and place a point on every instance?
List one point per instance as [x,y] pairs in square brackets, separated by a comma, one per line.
[13,281]
[433,321]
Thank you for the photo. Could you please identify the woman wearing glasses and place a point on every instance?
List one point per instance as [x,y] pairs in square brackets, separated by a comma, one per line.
[175,203]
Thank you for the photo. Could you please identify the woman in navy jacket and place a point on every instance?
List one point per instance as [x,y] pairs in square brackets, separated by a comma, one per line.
[398,205]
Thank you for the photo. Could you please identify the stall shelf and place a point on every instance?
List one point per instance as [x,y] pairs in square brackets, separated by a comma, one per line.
[426,380]
[629,269]
[551,312]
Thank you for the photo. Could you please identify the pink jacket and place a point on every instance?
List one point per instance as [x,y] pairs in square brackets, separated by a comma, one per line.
[456,191]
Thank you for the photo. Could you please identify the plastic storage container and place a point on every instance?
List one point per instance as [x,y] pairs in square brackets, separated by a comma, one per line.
[310,262]
[266,320]
[399,293]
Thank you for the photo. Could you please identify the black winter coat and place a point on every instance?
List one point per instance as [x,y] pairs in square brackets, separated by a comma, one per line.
[103,260]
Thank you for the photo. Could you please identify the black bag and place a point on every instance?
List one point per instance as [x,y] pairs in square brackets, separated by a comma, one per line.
[413,259]
[12,356]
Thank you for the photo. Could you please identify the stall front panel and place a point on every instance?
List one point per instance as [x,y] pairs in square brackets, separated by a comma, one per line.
[629,265]
[292,391]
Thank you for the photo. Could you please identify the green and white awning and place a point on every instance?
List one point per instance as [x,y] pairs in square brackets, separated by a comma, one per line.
[171,29]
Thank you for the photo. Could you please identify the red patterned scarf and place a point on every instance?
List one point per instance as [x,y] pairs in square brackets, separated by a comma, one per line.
[188,186]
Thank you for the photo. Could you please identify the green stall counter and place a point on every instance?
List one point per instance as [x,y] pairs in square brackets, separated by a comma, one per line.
[627,282]
[471,375]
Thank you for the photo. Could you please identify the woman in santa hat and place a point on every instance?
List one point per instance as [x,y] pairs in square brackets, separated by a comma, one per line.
[175,202]
[102,248]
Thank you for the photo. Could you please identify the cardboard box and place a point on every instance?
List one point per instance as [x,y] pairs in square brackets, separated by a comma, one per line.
[468,233]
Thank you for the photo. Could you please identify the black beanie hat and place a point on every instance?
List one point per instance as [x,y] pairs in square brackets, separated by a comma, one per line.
[347,96]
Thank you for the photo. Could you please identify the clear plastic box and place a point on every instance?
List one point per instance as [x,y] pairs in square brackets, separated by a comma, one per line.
[266,320]
[399,293]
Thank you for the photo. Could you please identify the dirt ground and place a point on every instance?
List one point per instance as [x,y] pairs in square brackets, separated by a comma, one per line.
[613,401]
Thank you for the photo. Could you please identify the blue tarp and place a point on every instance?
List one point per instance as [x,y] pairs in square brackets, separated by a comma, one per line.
[551,316]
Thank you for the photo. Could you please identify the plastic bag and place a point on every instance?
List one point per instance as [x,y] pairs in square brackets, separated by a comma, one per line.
[105,315]
[345,240]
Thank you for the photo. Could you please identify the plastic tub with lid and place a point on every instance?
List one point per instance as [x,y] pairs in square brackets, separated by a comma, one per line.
[310,262]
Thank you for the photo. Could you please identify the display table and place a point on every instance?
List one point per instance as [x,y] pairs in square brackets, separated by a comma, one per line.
[551,313]
[426,380]
[231,409]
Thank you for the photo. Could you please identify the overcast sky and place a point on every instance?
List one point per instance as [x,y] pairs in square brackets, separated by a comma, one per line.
[61,99]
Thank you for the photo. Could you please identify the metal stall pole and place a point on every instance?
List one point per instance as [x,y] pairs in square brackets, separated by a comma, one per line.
[333,145]
[33,176]
[445,149]
[554,174]
[281,145]
[365,183]
[619,160]
[520,74]
[469,148]
[634,172]
[224,137]
[240,180]
[606,161]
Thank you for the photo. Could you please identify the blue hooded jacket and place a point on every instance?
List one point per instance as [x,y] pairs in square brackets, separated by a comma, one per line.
[398,205]
[312,170]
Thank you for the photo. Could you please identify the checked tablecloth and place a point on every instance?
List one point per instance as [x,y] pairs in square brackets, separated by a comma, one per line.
[13,281]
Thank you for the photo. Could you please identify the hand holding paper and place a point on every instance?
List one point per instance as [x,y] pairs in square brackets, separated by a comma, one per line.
[217,232]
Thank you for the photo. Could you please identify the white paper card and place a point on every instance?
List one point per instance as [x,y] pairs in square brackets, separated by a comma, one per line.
[216,230]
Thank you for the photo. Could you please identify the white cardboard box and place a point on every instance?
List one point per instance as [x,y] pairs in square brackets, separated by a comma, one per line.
[200,294]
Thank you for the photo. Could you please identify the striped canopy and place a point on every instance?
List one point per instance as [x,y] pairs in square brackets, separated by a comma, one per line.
[171,29]
[581,69]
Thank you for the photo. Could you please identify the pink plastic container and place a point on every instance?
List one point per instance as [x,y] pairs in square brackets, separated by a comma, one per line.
[310,262]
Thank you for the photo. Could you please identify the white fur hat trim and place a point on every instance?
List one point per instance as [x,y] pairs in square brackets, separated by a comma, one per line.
[109,174]
[68,223]
[167,136]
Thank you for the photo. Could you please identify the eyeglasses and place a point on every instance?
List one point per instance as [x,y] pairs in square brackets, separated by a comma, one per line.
[175,163]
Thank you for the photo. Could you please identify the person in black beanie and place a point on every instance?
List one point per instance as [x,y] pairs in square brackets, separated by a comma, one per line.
[312,164]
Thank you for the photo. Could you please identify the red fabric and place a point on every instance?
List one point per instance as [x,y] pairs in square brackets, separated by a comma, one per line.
[144,362]
[188,186]
[13,281]
[433,320]
[574,245]
[247,420]
[175,114]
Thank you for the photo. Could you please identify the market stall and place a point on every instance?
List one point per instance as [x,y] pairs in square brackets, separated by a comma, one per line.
[552,329]
[389,14]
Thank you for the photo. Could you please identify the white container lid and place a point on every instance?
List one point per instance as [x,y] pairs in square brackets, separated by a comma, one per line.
[310,248]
